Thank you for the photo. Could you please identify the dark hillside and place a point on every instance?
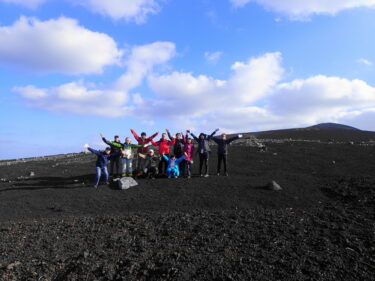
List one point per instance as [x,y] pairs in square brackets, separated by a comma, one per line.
[55,226]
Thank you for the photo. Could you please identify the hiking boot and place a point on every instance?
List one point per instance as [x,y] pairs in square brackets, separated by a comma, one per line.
[123,175]
[201,175]
[218,174]
[188,176]
[107,182]
[95,186]
[226,174]
[206,175]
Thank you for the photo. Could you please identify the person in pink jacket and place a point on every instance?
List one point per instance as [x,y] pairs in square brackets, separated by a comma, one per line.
[187,164]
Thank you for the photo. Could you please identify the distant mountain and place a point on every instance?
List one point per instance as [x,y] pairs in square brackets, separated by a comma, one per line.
[332,126]
[323,132]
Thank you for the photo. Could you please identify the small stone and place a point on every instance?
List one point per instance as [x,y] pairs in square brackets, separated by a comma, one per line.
[274,186]
[13,265]
[333,162]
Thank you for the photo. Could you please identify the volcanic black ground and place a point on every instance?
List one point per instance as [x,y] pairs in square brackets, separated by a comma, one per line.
[56,226]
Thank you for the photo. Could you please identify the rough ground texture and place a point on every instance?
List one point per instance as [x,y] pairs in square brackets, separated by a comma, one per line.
[55,226]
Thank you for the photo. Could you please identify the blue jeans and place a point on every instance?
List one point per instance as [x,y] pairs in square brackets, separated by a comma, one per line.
[127,165]
[99,171]
[173,172]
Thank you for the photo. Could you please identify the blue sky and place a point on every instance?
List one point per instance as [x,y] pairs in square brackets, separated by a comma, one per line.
[72,69]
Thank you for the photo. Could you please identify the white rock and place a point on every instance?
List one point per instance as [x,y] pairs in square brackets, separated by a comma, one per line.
[126,182]
[274,186]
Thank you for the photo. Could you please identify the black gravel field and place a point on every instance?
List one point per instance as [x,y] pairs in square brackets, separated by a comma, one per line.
[55,226]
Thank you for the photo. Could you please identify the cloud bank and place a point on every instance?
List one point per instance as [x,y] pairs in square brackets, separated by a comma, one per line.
[83,98]
[128,10]
[254,97]
[31,4]
[57,45]
[301,9]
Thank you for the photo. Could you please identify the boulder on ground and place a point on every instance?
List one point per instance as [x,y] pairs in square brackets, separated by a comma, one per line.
[274,186]
[126,182]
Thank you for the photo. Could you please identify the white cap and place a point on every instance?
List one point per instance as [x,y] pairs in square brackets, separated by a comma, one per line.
[151,150]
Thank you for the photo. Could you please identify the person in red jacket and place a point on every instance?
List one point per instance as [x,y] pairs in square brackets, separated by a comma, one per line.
[163,144]
[142,150]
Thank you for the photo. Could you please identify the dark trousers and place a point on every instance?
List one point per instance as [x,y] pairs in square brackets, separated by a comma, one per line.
[115,161]
[152,172]
[180,168]
[163,164]
[186,167]
[203,161]
[221,158]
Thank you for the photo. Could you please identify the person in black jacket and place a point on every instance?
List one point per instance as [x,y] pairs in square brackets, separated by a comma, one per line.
[151,164]
[203,150]
[178,148]
[222,151]
[116,147]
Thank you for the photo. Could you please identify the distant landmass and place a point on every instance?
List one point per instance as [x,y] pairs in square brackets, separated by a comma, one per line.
[332,126]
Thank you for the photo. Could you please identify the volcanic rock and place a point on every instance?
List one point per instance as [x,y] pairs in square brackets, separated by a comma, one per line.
[125,183]
[274,186]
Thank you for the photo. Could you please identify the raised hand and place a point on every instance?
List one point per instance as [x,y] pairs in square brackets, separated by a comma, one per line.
[101,135]
[217,129]
[167,130]
[240,136]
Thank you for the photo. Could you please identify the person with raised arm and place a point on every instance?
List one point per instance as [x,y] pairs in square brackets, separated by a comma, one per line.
[203,150]
[222,151]
[172,168]
[101,163]
[142,140]
[187,164]
[163,144]
[178,147]
[116,147]
[127,156]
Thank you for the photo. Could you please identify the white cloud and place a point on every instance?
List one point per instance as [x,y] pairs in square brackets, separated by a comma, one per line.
[77,98]
[298,9]
[182,94]
[141,60]
[213,57]
[31,4]
[253,98]
[129,10]
[109,101]
[365,62]
[320,98]
[57,45]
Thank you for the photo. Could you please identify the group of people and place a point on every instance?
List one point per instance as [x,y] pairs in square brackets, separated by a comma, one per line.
[174,157]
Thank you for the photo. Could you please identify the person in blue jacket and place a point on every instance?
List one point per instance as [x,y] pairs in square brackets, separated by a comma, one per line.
[172,168]
[101,163]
